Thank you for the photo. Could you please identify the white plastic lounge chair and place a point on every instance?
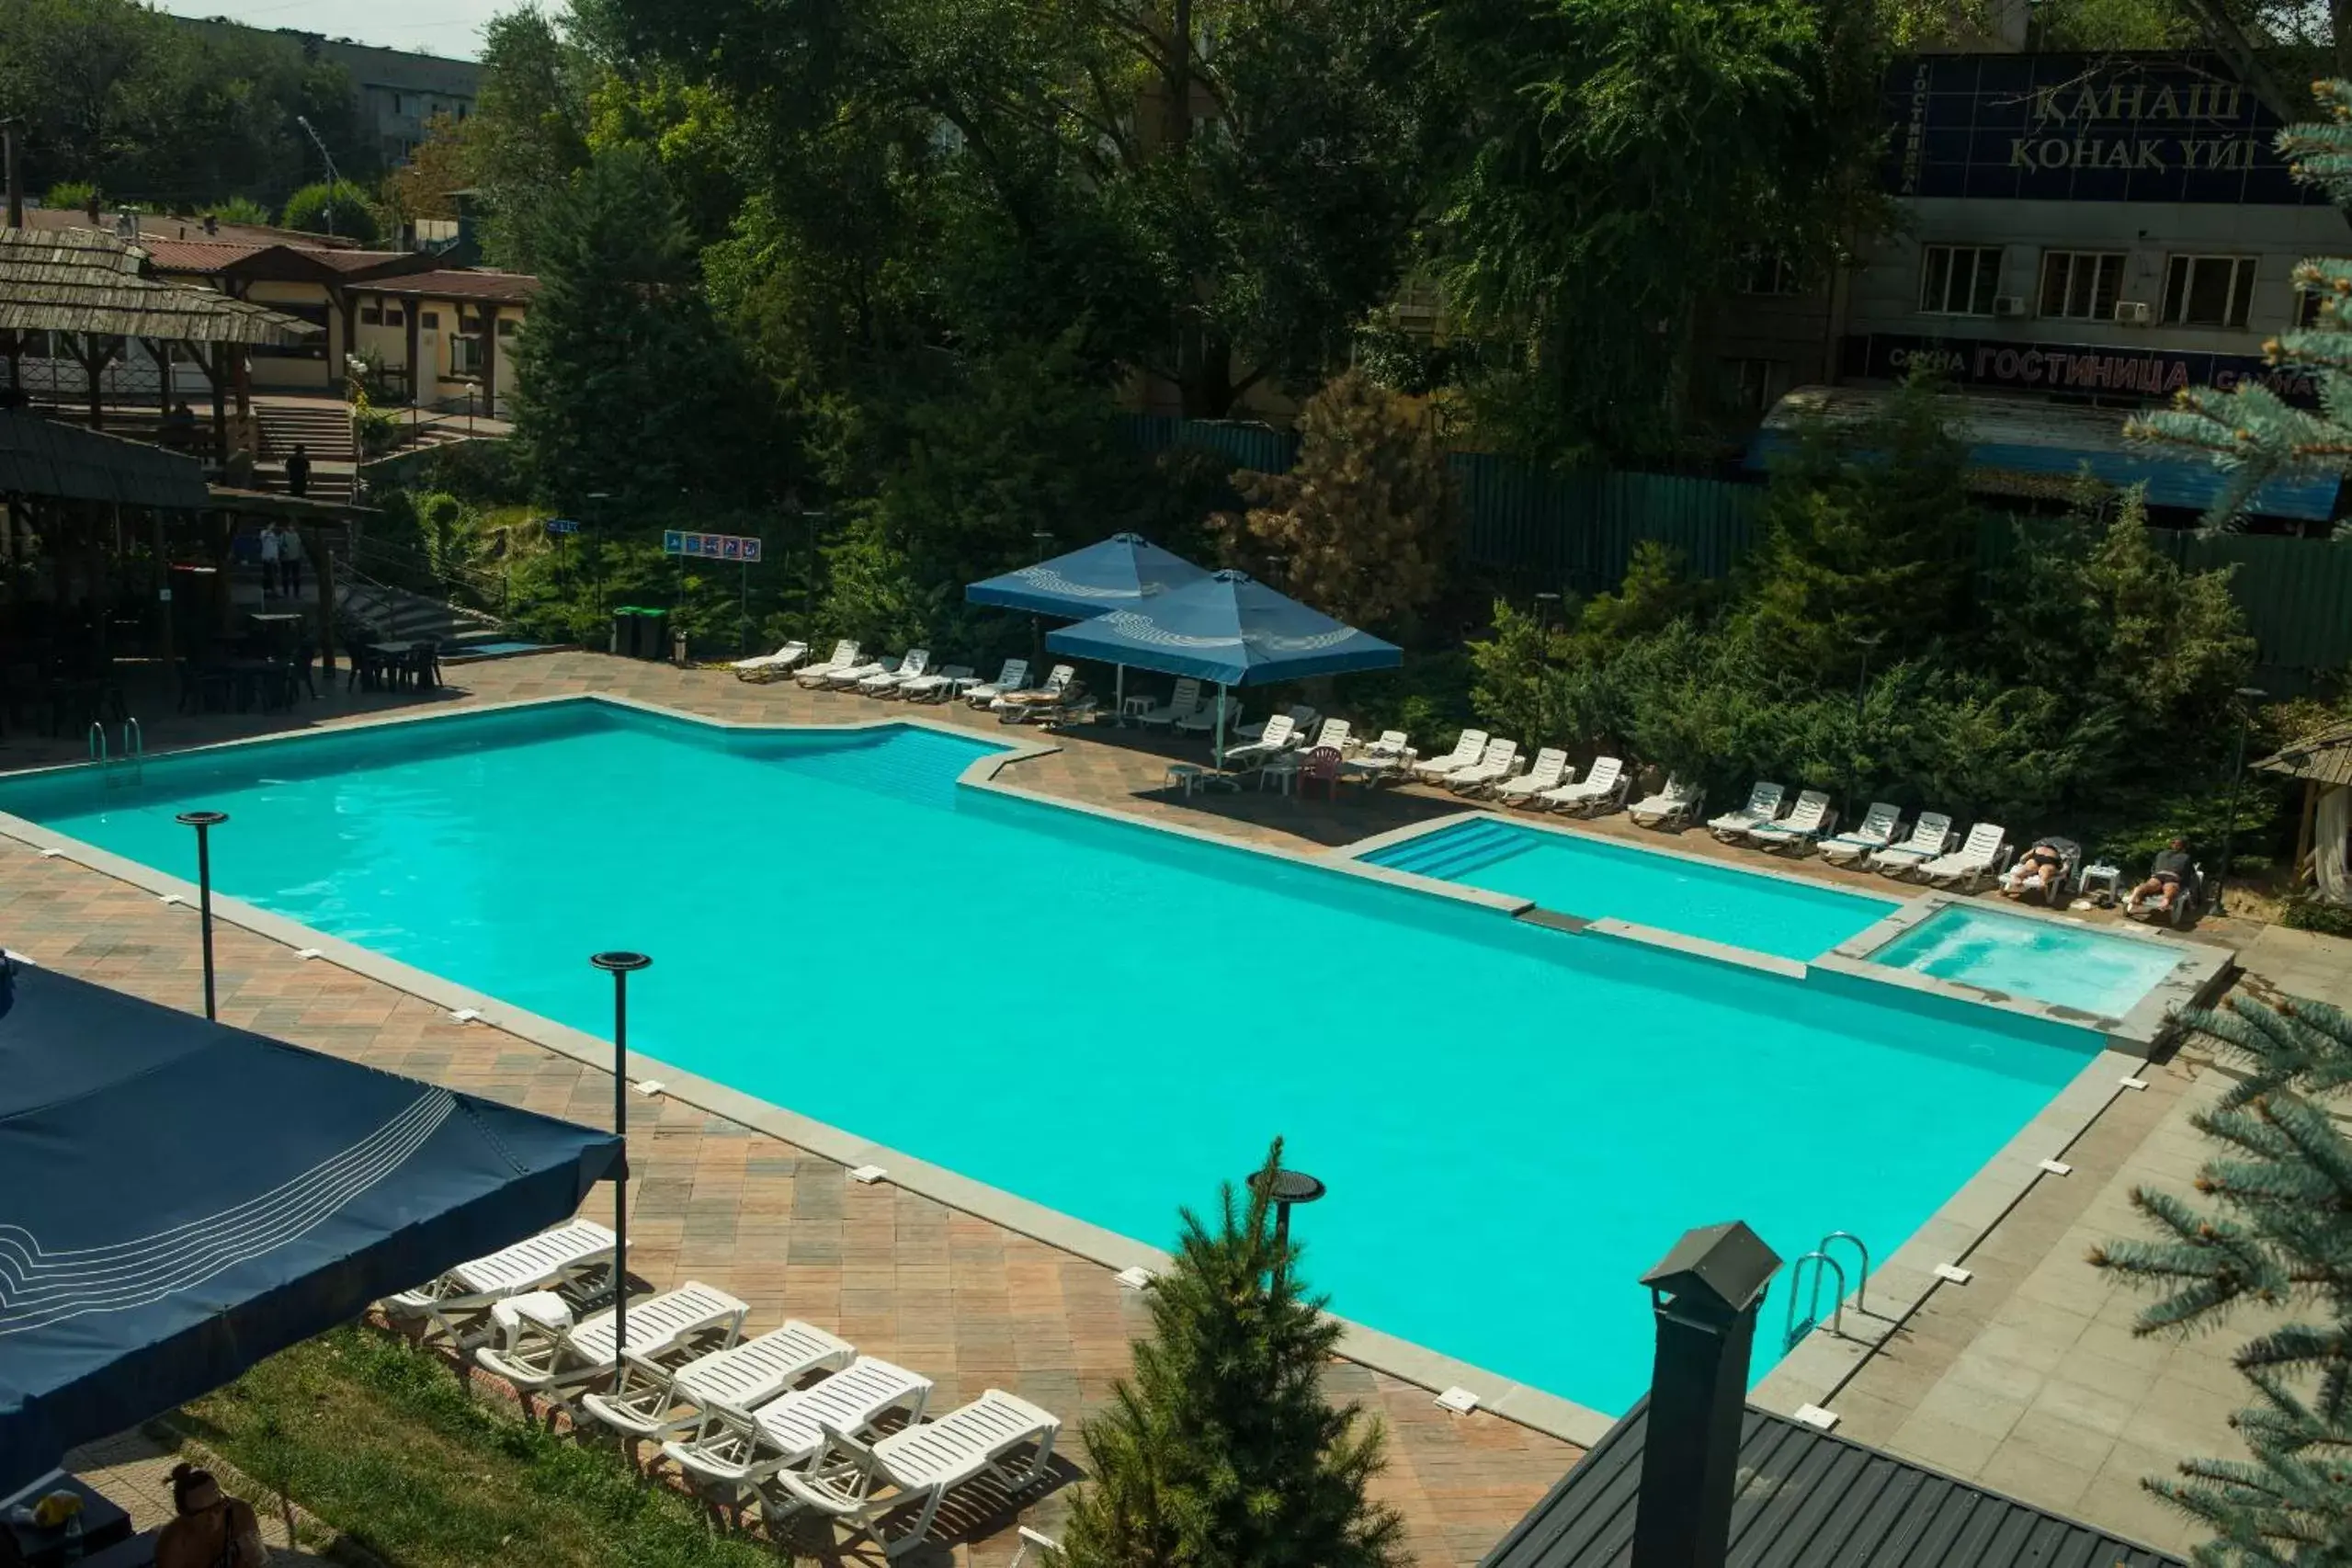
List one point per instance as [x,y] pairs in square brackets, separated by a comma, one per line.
[934,687]
[1811,817]
[1056,682]
[650,1400]
[741,1447]
[1498,762]
[543,1351]
[1602,787]
[1550,772]
[1469,746]
[1014,677]
[771,666]
[1202,720]
[550,1260]
[1672,806]
[1877,831]
[890,682]
[1763,805]
[1977,858]
[1303,723]
[1335,734]
[1182,703]
[845,657]
[1930,836]
[1391,743]
[857,1483]
[1277,737]
[848,677]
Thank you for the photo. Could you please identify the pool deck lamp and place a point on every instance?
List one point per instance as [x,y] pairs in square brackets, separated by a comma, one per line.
[204,822]
[1286,1189]
[620,966]
[2247,697]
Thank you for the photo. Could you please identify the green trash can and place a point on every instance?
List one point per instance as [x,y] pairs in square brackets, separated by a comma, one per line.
[654,635]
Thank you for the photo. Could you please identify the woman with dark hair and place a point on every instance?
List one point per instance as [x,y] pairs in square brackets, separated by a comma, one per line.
[213,1530]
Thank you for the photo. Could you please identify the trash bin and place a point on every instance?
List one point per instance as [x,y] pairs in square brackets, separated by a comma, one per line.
[654,635]
[624,631]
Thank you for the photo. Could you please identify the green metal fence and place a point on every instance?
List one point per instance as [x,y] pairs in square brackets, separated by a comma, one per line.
[1535,530]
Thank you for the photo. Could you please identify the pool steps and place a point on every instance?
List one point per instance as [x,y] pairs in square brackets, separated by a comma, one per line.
[1454,853]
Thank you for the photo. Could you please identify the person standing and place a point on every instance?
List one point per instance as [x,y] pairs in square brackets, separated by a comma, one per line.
[269,559]
[297,471]
[289,562]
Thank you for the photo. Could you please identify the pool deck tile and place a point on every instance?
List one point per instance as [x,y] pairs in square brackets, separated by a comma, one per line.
[2018,1378]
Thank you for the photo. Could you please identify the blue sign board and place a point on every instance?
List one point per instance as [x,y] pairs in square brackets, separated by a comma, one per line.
[712,547]
[2084,128]
[562,526]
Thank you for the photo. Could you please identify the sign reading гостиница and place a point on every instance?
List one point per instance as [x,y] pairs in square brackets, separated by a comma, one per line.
[2084,128]
[2079,367]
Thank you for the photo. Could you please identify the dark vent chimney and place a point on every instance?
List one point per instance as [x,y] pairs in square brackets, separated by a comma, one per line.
[1705,1292]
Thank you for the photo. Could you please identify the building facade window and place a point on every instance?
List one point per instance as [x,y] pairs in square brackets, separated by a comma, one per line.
[1752,386]
[2208,291]
[1960,280]
[1763,272]
[395,317]
[429,319]
[372,316]
[2081,285]
[2307,304]
[465,355]
[506,326]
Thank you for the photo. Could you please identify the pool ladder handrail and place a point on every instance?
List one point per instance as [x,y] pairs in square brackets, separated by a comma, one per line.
[1823,1262]
[134,755]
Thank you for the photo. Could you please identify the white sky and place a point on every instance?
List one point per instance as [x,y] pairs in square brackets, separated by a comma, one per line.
[432,27]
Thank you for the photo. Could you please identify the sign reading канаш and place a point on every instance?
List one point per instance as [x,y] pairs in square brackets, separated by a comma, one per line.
[2084,128]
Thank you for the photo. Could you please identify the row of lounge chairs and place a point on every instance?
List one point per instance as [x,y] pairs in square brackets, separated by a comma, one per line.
[1931,852]
[1481,766]
[790,1417]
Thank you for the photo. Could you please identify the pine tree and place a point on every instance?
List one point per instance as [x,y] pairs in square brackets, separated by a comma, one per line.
[2279,1233]
[1363,524]
[1222,1452]
[2250,429]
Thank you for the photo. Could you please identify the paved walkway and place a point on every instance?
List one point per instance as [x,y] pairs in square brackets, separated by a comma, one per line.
[2026,1378]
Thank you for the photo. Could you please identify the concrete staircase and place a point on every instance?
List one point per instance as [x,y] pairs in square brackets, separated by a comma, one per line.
[396,615]
[322,424]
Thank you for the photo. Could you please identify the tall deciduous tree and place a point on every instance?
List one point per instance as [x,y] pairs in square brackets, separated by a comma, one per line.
[1630,155]
[1222,1452]
[1363,525]
[528,133]
[2275,1229]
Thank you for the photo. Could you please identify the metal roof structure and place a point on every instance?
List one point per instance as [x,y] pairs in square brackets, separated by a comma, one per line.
[81,280]
[2325,759]
[40,456]
[1811,1499]
[497,288]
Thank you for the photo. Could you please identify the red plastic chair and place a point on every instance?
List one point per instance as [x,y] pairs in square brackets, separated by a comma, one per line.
[1323,767]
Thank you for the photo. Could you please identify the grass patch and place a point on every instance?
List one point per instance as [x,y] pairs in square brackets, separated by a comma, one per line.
[381,1441]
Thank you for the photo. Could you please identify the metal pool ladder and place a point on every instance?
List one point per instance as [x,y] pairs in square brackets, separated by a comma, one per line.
[1825,1264]
[128,768]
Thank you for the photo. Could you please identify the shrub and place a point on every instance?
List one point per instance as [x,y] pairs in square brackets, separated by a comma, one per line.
[341,208]
[2315,914]
[242,209]
[70,195]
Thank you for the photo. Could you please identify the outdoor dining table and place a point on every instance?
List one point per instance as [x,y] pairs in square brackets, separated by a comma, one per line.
[103,1525]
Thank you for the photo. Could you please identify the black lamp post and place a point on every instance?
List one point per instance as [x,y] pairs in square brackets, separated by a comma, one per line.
[2247,697]
[1044,541]
[1286,1189]
[620,966]
[1869,642]
[204,822]
[596,518]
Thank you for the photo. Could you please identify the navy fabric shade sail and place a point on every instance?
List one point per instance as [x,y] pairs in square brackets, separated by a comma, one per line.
[179,1200]
[1123,570]
[1229,628]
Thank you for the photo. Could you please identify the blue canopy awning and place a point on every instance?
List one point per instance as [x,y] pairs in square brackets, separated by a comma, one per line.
[1230,629]
[179,1200]
[1123,570]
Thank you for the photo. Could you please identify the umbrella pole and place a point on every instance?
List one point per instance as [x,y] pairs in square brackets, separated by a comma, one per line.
[1122,695]
[1220,726]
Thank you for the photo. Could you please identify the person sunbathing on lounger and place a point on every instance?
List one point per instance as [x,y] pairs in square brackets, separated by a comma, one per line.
[2037,871]
[2167,879]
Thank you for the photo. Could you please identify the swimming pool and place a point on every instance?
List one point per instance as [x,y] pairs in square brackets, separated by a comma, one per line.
[2051,960]
[1514,1122]
[1581,876]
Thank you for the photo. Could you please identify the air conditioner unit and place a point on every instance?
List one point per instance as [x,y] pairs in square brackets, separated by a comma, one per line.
[2009,304]
[2131,312]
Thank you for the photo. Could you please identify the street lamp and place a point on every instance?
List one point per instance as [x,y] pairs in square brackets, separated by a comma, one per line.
[620,966]
[204,822]
[1869,642]
[1044,541]
[1284,1188]
[2247,697]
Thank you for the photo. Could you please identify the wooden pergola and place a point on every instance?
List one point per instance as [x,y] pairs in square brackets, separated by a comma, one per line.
[90,291]
[2323,762]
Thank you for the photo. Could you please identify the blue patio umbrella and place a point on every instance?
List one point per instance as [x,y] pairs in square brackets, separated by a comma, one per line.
[1122,571]
[1230,629]
[179,1200]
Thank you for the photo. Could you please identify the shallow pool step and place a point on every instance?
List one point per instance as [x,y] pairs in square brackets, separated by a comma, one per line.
[911,764]
[1456,852]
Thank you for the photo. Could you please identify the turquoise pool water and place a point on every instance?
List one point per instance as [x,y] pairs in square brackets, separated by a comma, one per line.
[1583,876]
[2047,959]
[1514,1122]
